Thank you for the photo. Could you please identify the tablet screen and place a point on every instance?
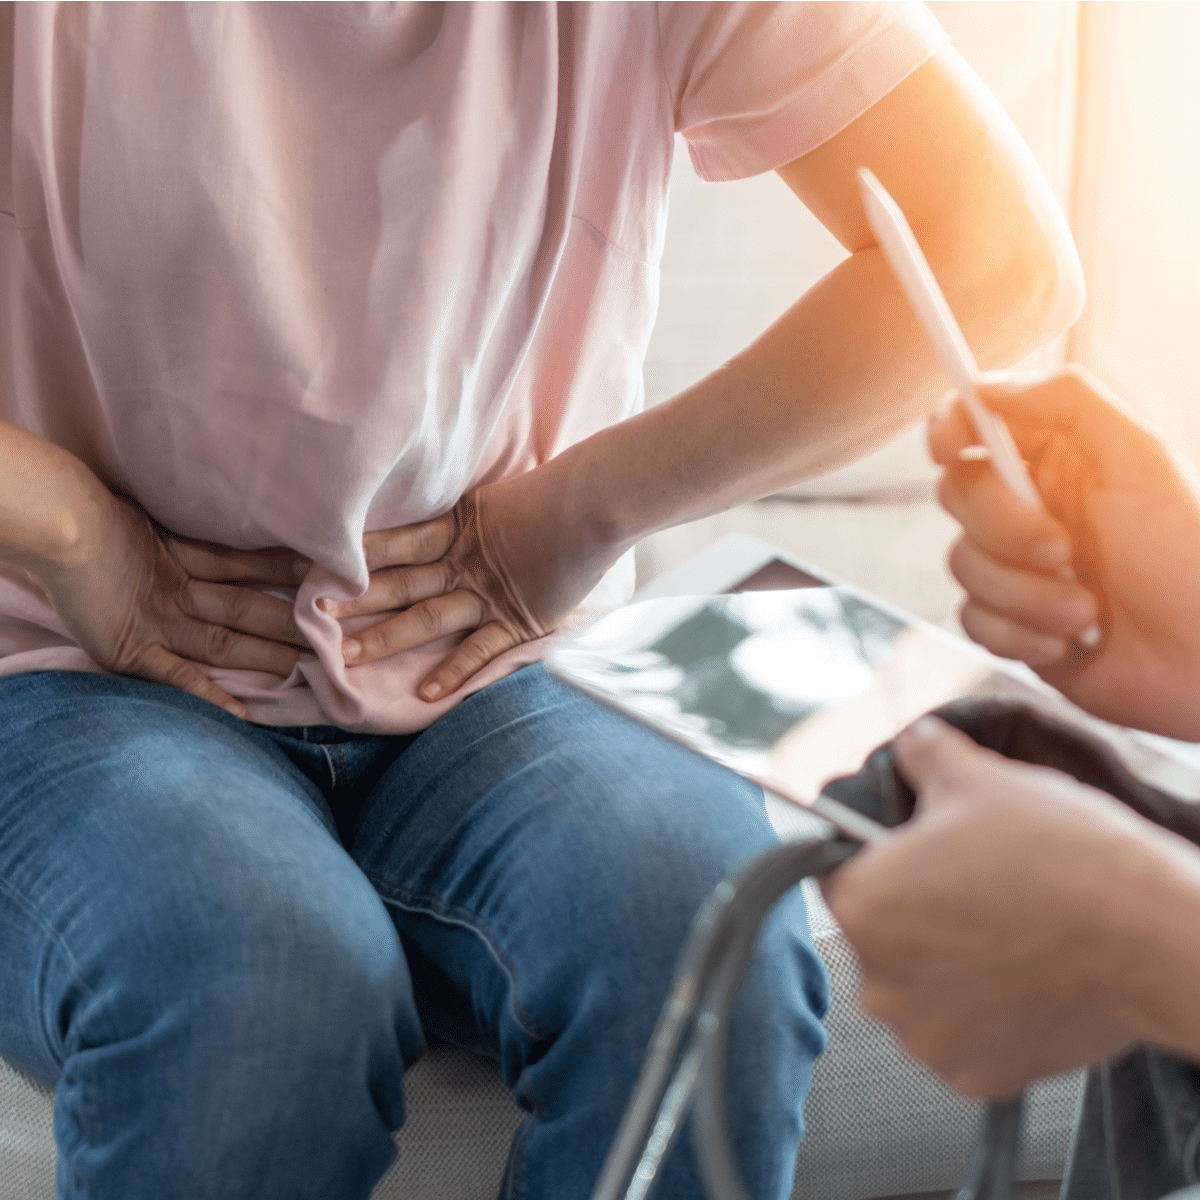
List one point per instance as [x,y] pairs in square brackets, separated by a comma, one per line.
[792,687]
[775,576]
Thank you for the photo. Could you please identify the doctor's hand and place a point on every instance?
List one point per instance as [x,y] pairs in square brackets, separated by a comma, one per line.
[1125,516]
[504,566]
[999,930]
[145,603]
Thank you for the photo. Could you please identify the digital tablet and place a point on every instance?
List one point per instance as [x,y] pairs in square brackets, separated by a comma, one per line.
[792,678]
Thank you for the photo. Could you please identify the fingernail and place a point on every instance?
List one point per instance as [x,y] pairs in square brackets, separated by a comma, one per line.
[431,691]
[329,606]
[351,648]
[238,710]
[924,729]
[1050,552]
[1089,639]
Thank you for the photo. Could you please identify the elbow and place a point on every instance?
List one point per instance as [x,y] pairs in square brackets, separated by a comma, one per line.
[1054,288]
[1071,288]
[1026,289]
[1037,287]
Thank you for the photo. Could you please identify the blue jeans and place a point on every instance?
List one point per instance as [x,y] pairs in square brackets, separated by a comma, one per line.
[221,943]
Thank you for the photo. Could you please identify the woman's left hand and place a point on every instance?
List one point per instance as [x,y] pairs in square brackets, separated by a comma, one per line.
[504,566]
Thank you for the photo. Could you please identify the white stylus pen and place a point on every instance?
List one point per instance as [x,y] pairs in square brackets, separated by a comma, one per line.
[925,297]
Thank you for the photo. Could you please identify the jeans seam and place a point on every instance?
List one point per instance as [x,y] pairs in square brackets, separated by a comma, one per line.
[64,949]
[333,775]
[518,1162]
[429,906]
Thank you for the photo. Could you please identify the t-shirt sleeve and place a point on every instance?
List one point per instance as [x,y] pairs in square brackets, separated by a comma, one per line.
[754,86]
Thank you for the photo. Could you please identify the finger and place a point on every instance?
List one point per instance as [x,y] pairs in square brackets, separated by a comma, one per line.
[468,659]
[161,666]
[935,758]
[1070,404]
[400,587]
[221,564]
[1051,604]
[407,545]
[245,609]
[996,520]
[424,622]
[949,431]
[220,646]
[1009,639]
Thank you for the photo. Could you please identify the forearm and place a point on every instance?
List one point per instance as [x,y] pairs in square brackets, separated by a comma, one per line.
[847,365]
[843,369]
[1157,957]
[49,501]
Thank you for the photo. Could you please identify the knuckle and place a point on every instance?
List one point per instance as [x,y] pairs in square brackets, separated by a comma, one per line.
[178,674]
[473,657]
[958,559]
[397,589]
[239,604]
[402,589]
[944,487]
[427,538]
[433,539]
[218,642]
[976,626]
[430,618]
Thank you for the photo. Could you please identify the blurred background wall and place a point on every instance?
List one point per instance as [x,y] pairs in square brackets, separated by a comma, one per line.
[1107,93]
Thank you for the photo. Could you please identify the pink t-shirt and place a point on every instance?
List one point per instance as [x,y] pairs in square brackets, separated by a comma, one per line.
[285,273]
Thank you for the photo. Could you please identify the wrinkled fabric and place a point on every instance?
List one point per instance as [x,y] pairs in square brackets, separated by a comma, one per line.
[223,943]
[289,273]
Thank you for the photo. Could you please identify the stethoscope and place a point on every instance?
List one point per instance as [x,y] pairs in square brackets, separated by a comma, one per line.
[684,1070]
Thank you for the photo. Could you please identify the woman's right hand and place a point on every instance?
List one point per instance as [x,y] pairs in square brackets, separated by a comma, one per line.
[1121,512]
[145,603]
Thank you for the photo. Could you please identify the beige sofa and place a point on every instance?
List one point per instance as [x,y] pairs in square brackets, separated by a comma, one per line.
[878,1125]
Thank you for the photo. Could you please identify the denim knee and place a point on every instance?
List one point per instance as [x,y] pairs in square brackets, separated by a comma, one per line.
[257,963]
[256,1027]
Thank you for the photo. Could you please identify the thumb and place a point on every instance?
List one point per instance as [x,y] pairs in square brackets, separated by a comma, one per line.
[932,756]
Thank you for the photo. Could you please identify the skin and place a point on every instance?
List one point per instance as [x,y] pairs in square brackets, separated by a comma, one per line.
[1021,923]
[839,372]
[140,601]
[513,558]
[1107,481]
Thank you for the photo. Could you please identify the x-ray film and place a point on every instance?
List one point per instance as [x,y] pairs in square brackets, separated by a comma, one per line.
[792,688]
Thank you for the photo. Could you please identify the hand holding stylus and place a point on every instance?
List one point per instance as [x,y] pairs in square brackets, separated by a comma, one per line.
[925,297]
[1122,510]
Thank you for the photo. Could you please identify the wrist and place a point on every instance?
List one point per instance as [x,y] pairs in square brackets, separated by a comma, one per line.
[592,500]
[1156,960]
[62,515]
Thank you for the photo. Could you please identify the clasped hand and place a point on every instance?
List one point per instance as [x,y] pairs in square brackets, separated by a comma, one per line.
[145,603]
[500,567]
